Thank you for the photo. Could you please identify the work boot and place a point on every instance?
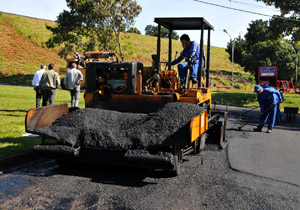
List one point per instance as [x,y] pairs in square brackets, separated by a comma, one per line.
[257,129]
[269,131]
[194,80]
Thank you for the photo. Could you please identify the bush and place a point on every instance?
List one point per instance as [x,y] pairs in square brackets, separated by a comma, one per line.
[237,85]
[248,77]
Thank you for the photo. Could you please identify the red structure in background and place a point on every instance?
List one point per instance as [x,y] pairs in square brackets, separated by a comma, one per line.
[285,86]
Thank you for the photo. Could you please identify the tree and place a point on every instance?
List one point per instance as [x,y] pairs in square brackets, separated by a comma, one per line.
[269,53]
[239,46]
[133,30]
[288,22]
[260,49]
[93,24]
[153,31]
[285,6]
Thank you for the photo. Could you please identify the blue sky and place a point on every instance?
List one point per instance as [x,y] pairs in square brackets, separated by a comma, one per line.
[235,22]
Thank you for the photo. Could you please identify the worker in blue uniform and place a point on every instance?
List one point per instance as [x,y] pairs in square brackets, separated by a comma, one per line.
[281,99]
[191,48]
[268,100]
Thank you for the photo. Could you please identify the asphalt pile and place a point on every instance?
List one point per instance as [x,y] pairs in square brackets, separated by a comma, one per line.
[107,129]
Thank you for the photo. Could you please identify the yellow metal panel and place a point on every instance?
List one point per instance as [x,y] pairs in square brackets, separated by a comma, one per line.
[198,126]
[194,93]
[196,96]
[195,128]
[192,100]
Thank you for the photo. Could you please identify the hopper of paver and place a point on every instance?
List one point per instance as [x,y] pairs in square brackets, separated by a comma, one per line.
[154,140]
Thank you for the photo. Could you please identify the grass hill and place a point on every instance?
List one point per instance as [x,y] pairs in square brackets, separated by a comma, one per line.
[23,49]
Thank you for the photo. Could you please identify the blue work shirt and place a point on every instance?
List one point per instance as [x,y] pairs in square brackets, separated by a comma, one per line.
[267,98]
[278,93]
[192,50]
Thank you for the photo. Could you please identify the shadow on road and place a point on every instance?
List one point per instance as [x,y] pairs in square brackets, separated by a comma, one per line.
[124,176]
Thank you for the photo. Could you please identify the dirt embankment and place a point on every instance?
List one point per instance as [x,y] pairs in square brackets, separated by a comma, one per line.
[19,56]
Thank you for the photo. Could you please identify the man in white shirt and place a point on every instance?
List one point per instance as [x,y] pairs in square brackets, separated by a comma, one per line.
[35,83]
[72,82]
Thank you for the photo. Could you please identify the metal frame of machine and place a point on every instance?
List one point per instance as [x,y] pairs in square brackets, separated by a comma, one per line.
[130,87]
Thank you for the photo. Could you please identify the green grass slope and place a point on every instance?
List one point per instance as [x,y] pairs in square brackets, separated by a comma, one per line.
[23,49]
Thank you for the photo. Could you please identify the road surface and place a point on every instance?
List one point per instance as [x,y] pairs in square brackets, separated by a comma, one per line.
[255,171]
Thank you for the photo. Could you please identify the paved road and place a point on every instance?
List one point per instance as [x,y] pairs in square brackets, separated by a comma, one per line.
[275,155]
[207,182]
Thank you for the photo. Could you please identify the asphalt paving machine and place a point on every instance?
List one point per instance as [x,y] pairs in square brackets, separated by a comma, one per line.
[128,86]
[82,61]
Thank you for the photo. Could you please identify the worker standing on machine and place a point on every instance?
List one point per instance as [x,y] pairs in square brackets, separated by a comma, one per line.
[281,99]
[268,101]
[191,48]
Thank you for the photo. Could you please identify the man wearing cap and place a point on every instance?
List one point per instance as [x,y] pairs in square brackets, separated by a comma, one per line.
[191,48]
[281,99]
[268,100]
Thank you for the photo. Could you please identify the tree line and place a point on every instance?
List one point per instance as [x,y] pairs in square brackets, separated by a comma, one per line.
[91,25]
[271,43]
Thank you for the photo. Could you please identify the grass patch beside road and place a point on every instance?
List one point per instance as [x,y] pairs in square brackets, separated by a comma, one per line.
[15,101]
[250,99]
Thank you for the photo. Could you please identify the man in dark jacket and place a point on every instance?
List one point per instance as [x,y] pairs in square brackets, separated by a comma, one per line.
[49,82]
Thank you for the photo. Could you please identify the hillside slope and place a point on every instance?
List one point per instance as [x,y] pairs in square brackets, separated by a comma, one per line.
[19,57]
[23,49]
